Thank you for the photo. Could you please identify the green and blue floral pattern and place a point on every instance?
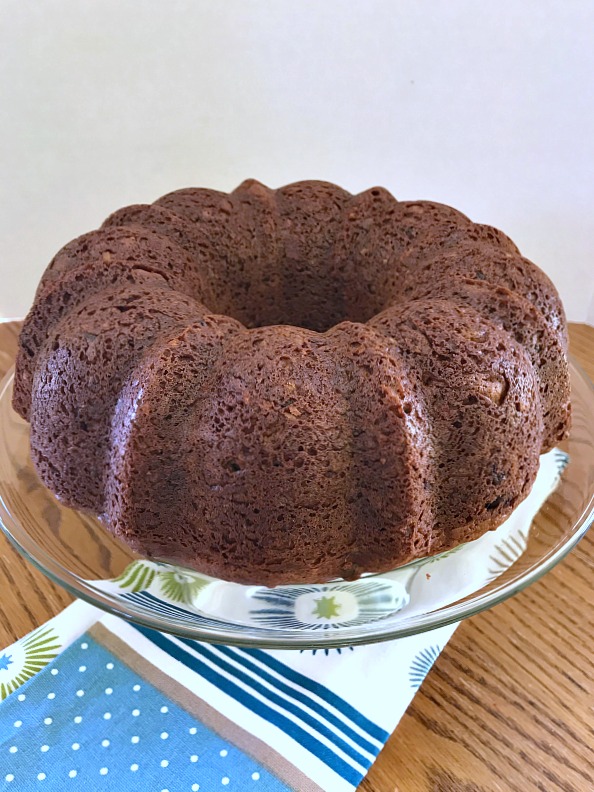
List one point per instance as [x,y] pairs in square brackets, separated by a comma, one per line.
[25,658]
[329,606]
[171,583]
[421,665]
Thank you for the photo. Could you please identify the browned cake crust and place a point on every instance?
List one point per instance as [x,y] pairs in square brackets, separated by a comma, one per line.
[293,385]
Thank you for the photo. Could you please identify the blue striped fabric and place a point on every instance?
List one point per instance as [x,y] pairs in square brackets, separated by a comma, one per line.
[308,684]
[288,691]
[212,664]
[320,690]
[283,702]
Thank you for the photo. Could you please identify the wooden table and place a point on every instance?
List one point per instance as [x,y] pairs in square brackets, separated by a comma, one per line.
[509,704]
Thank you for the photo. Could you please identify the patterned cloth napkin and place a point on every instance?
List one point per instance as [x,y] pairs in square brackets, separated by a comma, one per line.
[89,701]
[101,704]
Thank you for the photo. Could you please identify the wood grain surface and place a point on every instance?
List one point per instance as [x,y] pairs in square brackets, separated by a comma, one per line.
[509,704]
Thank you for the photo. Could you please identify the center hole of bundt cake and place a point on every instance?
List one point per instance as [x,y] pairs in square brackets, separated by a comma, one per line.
[303,297]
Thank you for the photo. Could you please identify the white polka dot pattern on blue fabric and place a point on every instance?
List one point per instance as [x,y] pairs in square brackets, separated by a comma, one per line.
[58,733]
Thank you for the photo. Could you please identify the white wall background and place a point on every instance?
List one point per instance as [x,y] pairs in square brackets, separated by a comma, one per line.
[487,106]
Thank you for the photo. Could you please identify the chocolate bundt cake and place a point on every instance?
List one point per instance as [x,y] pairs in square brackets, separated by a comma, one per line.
[292,385]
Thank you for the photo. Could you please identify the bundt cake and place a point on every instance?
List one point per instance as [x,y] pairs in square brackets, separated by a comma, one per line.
[292,385]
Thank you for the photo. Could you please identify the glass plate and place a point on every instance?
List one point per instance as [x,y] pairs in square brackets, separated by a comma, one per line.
[77,552]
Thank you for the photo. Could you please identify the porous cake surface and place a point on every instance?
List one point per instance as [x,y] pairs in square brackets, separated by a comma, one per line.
[292,385]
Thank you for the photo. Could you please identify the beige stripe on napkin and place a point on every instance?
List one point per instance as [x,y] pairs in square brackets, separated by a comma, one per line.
[210,717]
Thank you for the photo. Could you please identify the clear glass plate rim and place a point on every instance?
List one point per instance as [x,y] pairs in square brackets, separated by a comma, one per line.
[284,639]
